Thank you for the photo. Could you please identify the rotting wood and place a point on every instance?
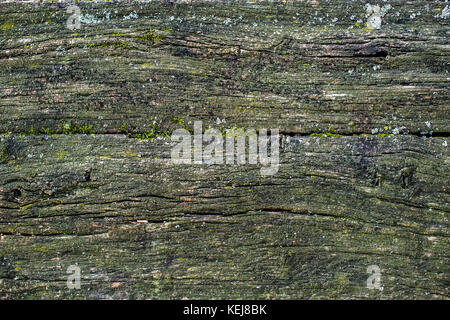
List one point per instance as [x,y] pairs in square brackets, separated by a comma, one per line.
[357,184]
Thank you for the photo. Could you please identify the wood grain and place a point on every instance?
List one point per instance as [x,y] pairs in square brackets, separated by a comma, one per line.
[364,173]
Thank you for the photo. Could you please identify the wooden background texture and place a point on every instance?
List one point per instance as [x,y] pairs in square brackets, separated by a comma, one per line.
[359,91]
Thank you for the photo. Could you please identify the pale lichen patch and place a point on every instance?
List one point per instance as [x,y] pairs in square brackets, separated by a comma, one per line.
[445,12]
[375,13]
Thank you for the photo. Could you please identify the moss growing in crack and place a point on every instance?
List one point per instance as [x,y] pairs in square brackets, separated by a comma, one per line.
[330,133]
[60,154]
[42,249]
[69,128]
[326,134]
[31,132]
[222,131]
[8,25]
[18,266]
[64,127]
[115,44]
[153,36]
[235,131]
[149,134]
[155,131]
[351,126]
[179,121]
[130,154]
[3,155]
[123,128]
[388,135]
[25,207]
[90,186]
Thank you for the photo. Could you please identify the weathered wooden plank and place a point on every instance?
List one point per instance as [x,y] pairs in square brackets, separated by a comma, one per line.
[310,66]
[142,227]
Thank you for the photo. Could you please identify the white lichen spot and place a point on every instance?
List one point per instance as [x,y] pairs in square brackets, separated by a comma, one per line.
[375,13]
[445,12]
[132,15]
[219,121]
[398,130]
[90,19]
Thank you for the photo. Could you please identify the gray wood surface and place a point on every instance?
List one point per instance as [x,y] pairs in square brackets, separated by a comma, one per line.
[86,176]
